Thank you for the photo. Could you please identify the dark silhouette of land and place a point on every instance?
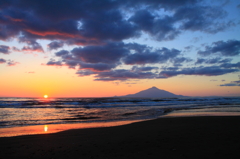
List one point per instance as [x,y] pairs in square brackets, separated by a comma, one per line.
[153,92]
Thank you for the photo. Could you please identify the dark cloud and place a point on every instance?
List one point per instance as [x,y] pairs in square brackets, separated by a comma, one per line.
[97,66]
[151,56]
[160,28]
[228,48]
[216,60]
[12,63]
[213,80]
[109,53]
[93,21]
[167,68]
[231,65]
[62,53]
[168,5]
[33,45]
[142,58]
[202,18]
[83,42]
[70,62]
[114,53]
[8,31]
[96,58]
[2,60]
[64,9]
[178,61]
[201,71]
[144,19]
[85,73]
[55,45]
[164,29]
[140,69]
[8,62]
[233,83]
[99,28]
[52,62]
[236,81]
[4,49]
[196,39]
[36,48]
[18,20]
[15,49]
[188,48]
[102,61]
[112,26]
[119,74]
[200,61]
[221,61]
[81,20]
[230,84]
[190,17]
[109,56]
[122,75]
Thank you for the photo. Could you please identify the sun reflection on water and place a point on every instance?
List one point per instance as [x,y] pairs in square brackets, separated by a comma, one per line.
[45,128]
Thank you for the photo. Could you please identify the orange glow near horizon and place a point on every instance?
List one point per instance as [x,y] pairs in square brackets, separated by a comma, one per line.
[65,83]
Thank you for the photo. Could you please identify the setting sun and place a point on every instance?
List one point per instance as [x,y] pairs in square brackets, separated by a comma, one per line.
[45,96]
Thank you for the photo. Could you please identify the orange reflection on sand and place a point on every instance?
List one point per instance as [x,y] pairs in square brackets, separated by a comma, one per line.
[42,129]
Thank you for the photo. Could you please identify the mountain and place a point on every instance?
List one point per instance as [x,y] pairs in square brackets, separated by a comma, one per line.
[153,92]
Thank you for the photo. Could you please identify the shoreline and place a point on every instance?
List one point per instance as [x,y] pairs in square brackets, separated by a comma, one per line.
[168,137]
[54,128]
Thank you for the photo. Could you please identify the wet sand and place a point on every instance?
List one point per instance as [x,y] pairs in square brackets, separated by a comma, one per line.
[181,137]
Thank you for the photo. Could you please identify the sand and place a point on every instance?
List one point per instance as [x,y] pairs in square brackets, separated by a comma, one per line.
[182,137]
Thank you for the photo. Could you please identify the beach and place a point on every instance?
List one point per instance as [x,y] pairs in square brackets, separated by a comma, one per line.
[170,137]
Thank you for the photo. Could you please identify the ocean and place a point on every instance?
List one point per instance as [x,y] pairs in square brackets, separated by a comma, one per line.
[22,112]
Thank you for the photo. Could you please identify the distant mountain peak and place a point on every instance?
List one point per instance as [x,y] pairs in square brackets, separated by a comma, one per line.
[153,92]
[154,88]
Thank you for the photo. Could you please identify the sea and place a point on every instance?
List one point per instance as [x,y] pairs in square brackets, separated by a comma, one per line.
[25,112]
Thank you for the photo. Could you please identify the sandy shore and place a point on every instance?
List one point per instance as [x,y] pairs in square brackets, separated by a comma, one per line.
[183,137]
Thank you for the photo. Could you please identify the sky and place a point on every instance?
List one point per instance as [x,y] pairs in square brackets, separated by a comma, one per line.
[104,48]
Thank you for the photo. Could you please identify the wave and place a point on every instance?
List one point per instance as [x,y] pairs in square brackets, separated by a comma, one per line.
[33,111]
[112,102]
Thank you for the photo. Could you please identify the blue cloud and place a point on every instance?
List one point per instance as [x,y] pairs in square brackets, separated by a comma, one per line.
[54,45]
[2,60]
[233,83]
[201,71]
[224,48]
[4,49]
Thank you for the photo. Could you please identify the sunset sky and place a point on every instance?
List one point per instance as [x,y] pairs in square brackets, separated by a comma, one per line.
[101,48]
